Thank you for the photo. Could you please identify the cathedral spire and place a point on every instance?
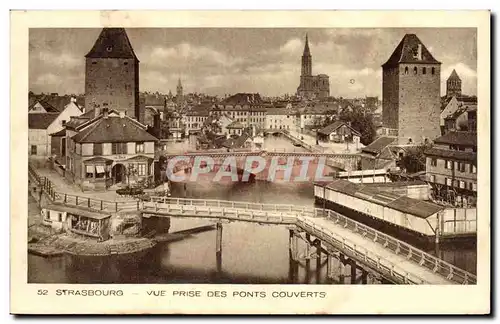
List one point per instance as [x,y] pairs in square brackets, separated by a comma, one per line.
[306,47]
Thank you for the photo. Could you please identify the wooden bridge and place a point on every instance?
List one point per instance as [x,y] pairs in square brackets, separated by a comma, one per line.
[337,236]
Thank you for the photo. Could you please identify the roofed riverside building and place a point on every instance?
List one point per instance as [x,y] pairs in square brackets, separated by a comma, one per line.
[246,108]
[411,93]
[339,132]
[112,74]
[312,86]
[451,168]
[109,149]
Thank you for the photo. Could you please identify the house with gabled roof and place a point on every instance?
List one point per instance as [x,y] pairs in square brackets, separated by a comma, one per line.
[42,125]
[109,149]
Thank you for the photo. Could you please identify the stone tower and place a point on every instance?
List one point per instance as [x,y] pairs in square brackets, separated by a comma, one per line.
[180,95]
[411,92]
[112,74]
[453,85]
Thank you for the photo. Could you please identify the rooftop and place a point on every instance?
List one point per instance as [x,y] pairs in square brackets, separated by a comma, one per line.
[418,208]
[452,154]
[410,50]
[379,144]
[334,126]
[114,129]
[112,43]
[458,138]
[41,121]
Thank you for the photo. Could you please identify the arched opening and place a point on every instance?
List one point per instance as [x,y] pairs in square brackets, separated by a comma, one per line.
[424,70]
[118,173]
[415,70]
[406,70]
[433,70]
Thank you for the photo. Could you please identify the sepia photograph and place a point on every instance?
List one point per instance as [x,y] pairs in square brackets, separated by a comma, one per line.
[275,156]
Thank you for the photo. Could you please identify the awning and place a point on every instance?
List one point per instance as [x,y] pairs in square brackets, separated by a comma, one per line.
[99,169]
[89,168]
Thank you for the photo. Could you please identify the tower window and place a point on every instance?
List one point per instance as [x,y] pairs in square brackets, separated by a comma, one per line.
[94,62]
[109,48]
[433,70]
[406,70]
[125,63]
[424,70]
[415,70]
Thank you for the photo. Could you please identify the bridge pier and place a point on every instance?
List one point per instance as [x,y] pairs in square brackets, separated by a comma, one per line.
[353,271]
[318,260]
[218,246]
[293,245]
[364,276]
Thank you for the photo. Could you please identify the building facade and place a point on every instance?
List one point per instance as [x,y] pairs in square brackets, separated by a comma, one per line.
[312,86]
[280,118]
[112,74]
[411,93]
[109,149]
[451,168]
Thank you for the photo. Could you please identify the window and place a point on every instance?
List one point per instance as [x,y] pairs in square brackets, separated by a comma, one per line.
[433,70]
[125,63]
[462,167]
[100,172]
[449,165]
[89,171]
[415,70]
[63,122]
[141,170]
[119,148]
[33,149]
[424,70]
[470,185]
[406,70]
[449,182]
[59,217]
[97,148]
[434,162]
[432,178]
[473,168]
[462,184]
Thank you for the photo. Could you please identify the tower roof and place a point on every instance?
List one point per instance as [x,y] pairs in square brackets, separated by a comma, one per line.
[410,50]
[453,75]
[112,43]
[306,48]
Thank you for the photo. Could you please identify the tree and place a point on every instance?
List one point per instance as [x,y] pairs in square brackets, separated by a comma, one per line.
[414,160]
[361,122]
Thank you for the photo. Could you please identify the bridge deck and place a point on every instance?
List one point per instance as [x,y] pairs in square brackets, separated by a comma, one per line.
[387,257]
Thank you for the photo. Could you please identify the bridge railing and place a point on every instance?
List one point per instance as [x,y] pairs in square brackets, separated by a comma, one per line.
[235,204]
[424,259]
[374,260]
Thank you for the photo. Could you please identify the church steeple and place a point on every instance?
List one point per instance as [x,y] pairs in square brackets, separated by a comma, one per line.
[306,47]
[179,92]
[306,60]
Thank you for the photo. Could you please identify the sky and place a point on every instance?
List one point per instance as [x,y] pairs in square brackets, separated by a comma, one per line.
[219,61]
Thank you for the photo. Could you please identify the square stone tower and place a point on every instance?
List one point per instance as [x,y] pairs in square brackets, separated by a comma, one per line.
[112,74]
[411,89]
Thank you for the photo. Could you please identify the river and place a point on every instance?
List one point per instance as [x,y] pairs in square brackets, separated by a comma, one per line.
[251,253]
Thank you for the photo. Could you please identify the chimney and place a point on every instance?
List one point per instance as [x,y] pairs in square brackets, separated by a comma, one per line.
[97,111]
[73,99]
[122,114]
[105,112]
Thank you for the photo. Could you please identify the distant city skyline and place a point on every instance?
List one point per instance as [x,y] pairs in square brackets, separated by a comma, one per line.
[219,61]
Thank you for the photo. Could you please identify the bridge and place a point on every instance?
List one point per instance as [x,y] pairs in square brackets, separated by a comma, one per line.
[333,161]
[328,233]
